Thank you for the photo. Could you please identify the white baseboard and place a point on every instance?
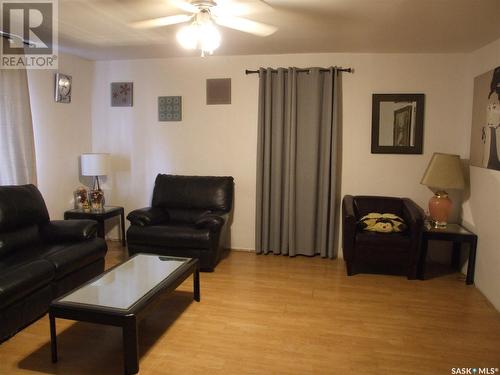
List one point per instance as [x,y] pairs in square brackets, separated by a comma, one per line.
[244,249]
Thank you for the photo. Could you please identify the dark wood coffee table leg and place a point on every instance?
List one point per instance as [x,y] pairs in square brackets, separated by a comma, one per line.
[472,262]
[122,226]
[130,346]
[53,337]
[196,284]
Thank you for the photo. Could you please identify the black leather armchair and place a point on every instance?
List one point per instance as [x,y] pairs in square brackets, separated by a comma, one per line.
[40,259]
[386,252]
[189,217]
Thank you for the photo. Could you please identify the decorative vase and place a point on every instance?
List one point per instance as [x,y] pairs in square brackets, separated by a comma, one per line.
[81,198]
[439,209]
[97,199]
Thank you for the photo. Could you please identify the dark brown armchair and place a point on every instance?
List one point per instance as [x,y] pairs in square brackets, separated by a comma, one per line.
[381,252]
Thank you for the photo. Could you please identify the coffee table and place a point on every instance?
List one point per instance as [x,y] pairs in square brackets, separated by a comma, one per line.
[122,295]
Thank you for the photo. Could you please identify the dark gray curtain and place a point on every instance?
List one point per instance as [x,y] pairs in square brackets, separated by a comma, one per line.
[297,162]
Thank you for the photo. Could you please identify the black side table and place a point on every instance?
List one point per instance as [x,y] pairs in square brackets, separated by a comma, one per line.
[457,234]
[100,216]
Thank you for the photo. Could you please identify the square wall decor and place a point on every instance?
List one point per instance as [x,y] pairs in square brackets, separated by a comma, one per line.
[170,108]
[219,91]
[122,94]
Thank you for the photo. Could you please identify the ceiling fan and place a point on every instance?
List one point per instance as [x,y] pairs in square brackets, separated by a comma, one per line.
[201,32]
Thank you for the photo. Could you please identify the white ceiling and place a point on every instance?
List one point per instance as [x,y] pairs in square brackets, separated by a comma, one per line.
[99,29]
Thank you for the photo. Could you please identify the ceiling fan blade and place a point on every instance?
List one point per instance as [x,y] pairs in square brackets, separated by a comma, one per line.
[162,21]
[240,8]
[246,25]
[185,6]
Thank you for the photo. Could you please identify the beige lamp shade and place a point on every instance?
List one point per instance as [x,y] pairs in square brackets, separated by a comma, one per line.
[95,164]
[444,172]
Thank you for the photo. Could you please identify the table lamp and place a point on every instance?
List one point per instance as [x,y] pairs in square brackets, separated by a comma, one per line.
[95,165]
[443,172]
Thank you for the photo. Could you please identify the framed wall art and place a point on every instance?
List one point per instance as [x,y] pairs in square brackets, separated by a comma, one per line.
[485,132]
[397,123]
[170,108]
[218,91]
[63,88]
[122,94]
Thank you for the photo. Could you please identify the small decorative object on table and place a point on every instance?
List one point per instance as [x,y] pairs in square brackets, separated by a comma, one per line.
[443,172]
[96,199]
[81,198]
[95,165]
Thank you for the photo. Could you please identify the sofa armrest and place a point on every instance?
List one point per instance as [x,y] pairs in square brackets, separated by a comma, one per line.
[213,221]
[69,230]
[148,216]
[414,215]
[348,226]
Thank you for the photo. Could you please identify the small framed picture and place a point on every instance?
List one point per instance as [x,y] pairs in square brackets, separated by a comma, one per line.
[63,88]
[122,94]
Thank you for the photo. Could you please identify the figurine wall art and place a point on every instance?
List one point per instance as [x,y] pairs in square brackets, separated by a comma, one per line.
[485,134]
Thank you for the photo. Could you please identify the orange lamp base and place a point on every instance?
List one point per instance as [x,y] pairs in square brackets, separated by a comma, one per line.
[439,209]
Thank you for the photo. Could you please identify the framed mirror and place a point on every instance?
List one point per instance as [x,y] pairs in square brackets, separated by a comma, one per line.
[397,123]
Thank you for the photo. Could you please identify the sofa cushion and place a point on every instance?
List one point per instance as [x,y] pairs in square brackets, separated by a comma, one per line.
[17,282]
[171,235]
[392,240]
[382,223]
[363,205]
[57,231]
[20,239]
[71,257]
[21,206]
[193,192]
[186,216]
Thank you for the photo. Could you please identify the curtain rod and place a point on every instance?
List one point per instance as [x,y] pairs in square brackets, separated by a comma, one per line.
[347,70]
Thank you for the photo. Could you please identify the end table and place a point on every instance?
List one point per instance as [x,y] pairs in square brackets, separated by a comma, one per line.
[100,216]
[458,235]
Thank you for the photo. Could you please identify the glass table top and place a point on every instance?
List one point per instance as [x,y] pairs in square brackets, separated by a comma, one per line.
[450,228]
[125,284]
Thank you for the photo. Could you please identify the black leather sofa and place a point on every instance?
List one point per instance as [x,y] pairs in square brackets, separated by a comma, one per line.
[188,217]
[40,259]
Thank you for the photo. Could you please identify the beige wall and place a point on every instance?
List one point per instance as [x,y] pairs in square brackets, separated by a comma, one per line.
[221,140]
[481,211]
[62,131]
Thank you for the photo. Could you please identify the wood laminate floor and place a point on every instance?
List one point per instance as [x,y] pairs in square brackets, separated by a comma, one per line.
[279,315]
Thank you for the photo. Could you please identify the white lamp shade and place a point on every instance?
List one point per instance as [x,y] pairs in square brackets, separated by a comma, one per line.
[444,172]
[95,164]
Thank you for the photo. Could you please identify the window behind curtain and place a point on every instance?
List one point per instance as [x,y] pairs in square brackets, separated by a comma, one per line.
[17,151]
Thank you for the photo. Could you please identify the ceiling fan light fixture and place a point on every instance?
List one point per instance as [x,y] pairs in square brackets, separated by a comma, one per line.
[188,36]
[201,34]
[209,37]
